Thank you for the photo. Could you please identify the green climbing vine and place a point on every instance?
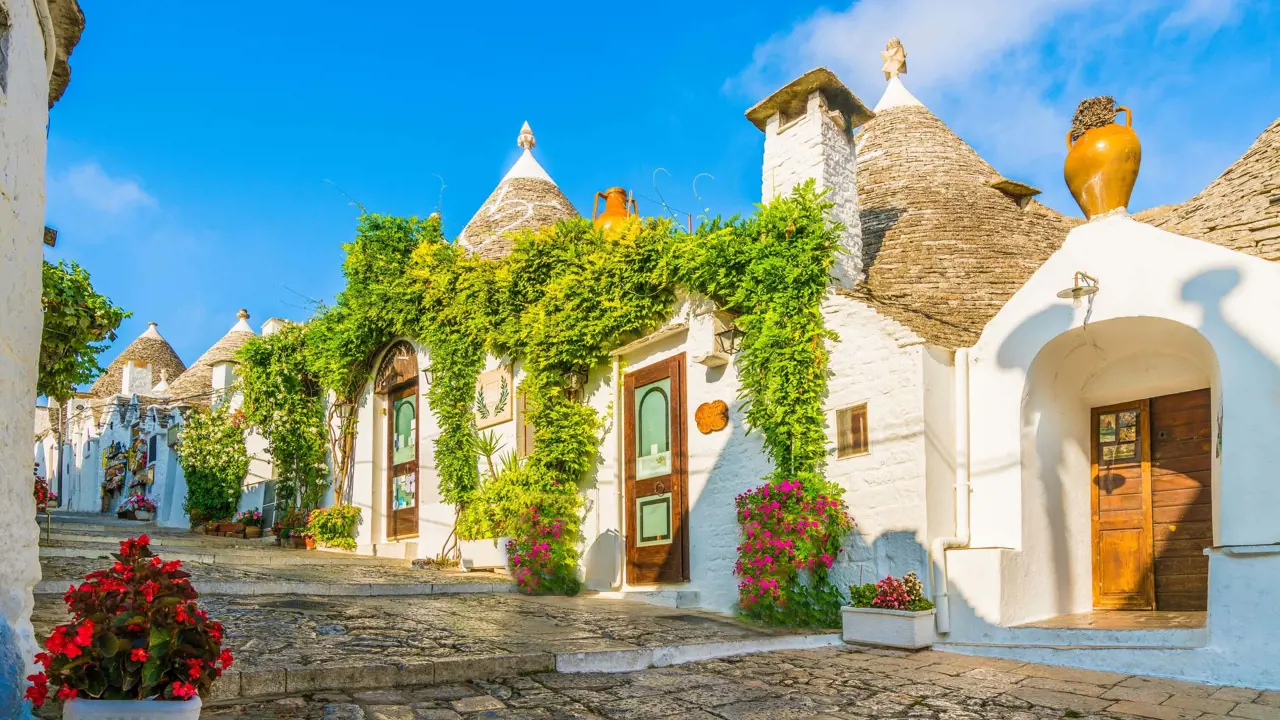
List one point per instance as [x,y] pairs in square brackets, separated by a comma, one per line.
[214,462]
[79,324]
[559,304]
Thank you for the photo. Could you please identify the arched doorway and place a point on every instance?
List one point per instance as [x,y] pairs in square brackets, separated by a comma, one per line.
[1120,464]
[397,381]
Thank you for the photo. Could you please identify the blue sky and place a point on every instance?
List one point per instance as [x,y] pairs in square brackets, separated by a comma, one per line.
[195,159]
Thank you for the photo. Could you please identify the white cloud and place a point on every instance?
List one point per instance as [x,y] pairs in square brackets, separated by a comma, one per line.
[89,186]
[1203,17]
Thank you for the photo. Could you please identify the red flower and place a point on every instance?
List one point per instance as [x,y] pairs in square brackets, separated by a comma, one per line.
[225,659]
[39,690]
[149,589]
[183,690]
[143,539]
[84,634]
[66,692]
[44,659]
[139,654]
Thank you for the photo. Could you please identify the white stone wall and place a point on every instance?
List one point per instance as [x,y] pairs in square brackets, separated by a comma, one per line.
[23,118]
[881,363]
[814,146]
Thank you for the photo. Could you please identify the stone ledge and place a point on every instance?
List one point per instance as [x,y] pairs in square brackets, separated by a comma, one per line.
[269,682]
[317,589]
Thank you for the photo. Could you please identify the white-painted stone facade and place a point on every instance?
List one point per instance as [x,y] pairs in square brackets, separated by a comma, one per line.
[24,104]
[817,146]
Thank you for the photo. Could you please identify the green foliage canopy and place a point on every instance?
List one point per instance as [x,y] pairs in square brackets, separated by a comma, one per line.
[214,461]
[79,324]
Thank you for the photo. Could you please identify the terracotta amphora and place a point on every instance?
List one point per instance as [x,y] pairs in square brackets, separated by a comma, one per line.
[616,210]
[1102,166]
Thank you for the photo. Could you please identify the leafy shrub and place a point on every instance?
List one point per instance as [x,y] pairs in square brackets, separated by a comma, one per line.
[136,633]
[543,552]
[335,526]
[792,531]
[294,522]
[214,461]
[44,496]
[892,594]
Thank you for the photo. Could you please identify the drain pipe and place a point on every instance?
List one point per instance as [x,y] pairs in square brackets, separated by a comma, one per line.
[619,476]
[939,581]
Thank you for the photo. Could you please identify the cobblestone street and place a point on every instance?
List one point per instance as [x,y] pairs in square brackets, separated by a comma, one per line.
[816,684]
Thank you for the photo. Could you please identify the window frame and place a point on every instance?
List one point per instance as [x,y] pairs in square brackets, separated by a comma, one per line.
[846,447]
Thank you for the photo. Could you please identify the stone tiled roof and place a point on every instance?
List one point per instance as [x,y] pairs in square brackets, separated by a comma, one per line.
[68,24]
[195,386]
[1240,210]
[148,349]
[945,243]
[526,199]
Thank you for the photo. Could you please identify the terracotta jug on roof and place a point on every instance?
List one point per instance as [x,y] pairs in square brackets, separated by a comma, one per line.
[1102,166]
[617,208]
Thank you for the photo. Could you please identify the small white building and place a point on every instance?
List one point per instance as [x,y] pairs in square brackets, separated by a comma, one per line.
[122,435]
[1055,469]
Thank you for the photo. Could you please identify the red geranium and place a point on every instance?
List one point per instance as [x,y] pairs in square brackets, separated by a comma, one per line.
[135,634]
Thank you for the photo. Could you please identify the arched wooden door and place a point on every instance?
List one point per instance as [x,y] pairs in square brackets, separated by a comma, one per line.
[398,379]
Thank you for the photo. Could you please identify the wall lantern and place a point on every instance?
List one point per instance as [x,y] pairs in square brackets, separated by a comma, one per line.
[342,410]
[725,343]
[1082,285]
[426,375]
[574,381]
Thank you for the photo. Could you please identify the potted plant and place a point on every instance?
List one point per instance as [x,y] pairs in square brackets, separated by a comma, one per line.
[333,527]
[293,526]
[137,647]
[252,521]
[481,527]
[45,498]
[140,507]
[891,612]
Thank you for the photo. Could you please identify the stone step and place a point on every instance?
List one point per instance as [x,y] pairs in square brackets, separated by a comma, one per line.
[315,589]
[167,540]
[266,556]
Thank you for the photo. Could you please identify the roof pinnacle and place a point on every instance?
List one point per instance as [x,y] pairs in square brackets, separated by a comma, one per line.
[526,139]
[895,59]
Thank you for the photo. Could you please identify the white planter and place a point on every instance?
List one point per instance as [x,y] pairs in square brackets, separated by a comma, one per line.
[483,554]
[891,628]
[82,709]
[143,515]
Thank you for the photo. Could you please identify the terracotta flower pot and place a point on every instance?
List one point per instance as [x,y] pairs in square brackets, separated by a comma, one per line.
[1102,166]
[253,531]
[616,210]
[310,542]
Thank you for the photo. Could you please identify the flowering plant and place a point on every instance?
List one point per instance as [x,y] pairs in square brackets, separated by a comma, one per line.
[334,526]
[44,496]
[792,530]
[543,552]
[251,518]
[135,634]
[138,502]
[892,594]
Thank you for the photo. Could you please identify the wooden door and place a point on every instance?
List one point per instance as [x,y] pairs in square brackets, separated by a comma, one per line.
[656,474]
[402,460]
[1122,562]
[1182,498]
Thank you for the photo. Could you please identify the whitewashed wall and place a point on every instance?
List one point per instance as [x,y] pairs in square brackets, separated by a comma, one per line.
[1202,313]
[23,118]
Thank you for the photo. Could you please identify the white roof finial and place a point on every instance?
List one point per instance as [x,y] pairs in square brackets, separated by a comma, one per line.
[895,59]
[526,140]
[242,323]
[151,331]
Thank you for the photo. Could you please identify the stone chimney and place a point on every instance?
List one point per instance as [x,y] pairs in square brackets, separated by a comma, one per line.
[808,126]
[135,378]
[272,325]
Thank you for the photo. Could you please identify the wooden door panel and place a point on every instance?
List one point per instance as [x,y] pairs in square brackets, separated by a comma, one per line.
[1121,500]
[1124,574]
[1115,503]
[1182,498]
[656,461]
[402,462]
[1122,520]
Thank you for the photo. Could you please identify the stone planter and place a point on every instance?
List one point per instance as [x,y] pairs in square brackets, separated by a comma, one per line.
[891,628]
[252,531]
[82,709]
[299,543]
[125,514]
[488,554]
[143,515]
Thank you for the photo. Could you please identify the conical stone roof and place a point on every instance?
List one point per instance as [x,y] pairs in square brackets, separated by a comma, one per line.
[148,349]
[1240,210]
[526,199]
[946,239]
[195,386]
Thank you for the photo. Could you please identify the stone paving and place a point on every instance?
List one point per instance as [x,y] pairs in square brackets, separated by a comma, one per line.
[67,569]
[298,632]
[824,684]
